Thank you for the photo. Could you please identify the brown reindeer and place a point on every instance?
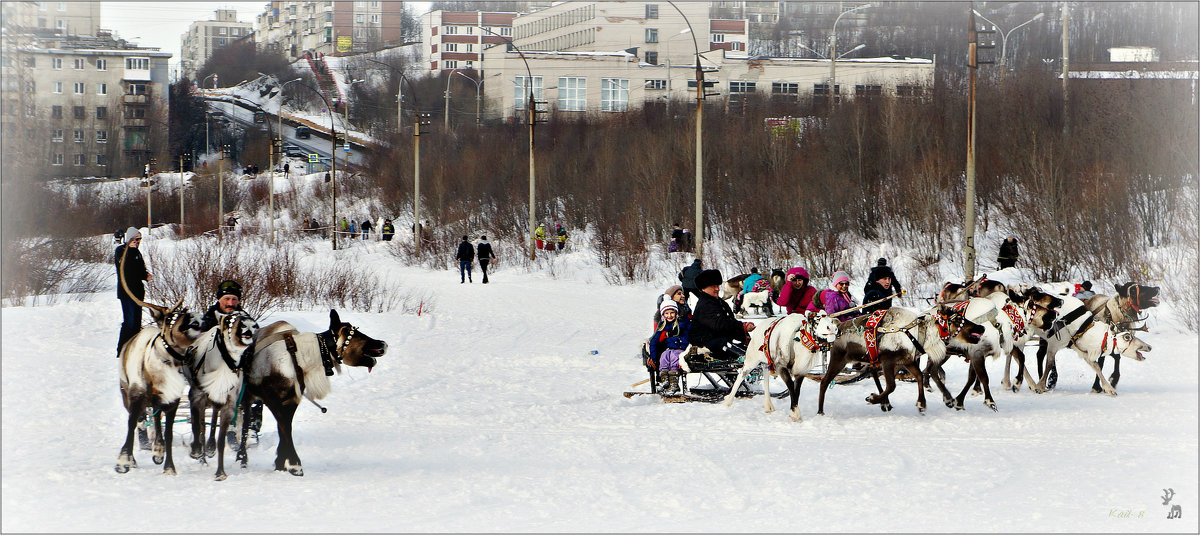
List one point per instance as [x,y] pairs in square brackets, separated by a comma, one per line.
[288,365]
[151,376]
[215,375]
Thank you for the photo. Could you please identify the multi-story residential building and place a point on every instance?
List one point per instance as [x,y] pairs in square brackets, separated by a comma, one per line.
[329,27]
[611,56]
[455,39]
[66,18]
[82,105]
[203,37]
[761,16]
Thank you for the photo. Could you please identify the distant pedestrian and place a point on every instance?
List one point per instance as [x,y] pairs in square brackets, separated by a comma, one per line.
[1008,253]
[304,226]
[687,279]
[676,238]
[539,236]
[366,229]
[344,226]
[1083,291]
[485,255]
[388,230]
[561,237]
[687,240]
[466,255]
[353,232]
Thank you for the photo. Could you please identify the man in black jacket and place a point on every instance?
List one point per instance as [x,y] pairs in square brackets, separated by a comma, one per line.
[229,300]
[485,256]
[466,255]
[135,277]
[713,324]
[1008,253]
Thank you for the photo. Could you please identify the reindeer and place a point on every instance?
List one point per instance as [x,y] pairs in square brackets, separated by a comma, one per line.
[151,376]
[288,365]
[1077,329]
[975,315]
[789,346]
[1023,315]
[1122,312]
[214,362]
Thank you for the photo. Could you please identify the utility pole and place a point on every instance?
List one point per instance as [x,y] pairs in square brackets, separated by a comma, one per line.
[446,110]
[221,191]
[149,189]
[973,62]
[419,120]
[1065,71]
[181,184]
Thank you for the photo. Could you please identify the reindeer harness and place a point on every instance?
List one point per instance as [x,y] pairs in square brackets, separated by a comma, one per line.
[168,327]
[1068,319]
[1015,316]
[801,335]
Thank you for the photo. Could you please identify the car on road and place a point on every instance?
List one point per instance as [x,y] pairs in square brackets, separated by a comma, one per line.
[303,132]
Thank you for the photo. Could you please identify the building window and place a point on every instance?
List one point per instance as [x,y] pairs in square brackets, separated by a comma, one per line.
[572,94]
[56,112]
[741,87]
[521,87]
[30,86]
[79,160]
[101,112]
[785,88]
[360,18]
[221,31]
[30,110]
[220,42]
[60,24]
[468,64]
[101,89]
[655,84]
[470,47]
[450,30]
[62,6]
[718,38]
[651,35]
[822,90]
[137,112]
[101,160]
[450,47]
[31,62]
[41,6]
[102,65]
[614,94]
[79,88]
[374,18]
[102,136]
[78,112]
[56,136]
[56,63]
[909,91]
[652,57]
[79,64]
[139,64]
[136,89]
[78,135]
[652,11]
[470,30]
[56,159]
[450,64]
[57,88]
[868,90]
[359,5]
[506,31]
[736,45]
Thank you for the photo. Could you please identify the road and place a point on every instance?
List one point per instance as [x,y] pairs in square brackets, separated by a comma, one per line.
[243,113]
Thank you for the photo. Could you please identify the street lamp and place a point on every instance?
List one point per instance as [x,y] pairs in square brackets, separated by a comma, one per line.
[833,53]
[332,162]
[1004,35]
[699,137]
[349,88]
[529,107]
[416,147]
[446,111]
[477,84]
[213,76]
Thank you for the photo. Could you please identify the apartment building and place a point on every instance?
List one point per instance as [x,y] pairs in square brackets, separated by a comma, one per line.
[78,106]
[329,27]
[202,38]
[455,39]
[64,18]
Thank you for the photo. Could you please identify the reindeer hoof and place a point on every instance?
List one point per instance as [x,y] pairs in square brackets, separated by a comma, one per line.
[991,405]
[169,471]
[158,459]
[958,406]
[296,471]
[921,408]
[1015,388]
[210,449]
[220,477]
[885,407]
[949,403]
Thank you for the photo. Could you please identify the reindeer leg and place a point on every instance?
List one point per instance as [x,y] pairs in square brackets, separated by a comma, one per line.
[226,413]
[793,385]
[915,369]
[210,447]
[196,418]
[749,364]
[1041,387]
[1023,371]
[156,445]
[837,361]
[962,396]
[934,372]
[1007,365]
[889,375]
[1104,384]
[1096,384]
[169,438]
[285,456]
[125,459]
[981,379]
[244,412]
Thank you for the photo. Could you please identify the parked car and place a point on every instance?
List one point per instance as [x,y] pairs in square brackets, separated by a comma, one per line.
[303,132]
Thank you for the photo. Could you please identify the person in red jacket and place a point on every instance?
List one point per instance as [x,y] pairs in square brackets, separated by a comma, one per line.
[796,295]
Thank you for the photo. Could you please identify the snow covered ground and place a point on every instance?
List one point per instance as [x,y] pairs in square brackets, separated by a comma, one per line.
[489,413]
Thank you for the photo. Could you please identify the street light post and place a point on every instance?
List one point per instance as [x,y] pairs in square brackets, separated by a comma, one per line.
[529,107]
[477,84]
[332,163]
[699,138]
[214,77]
[1004,35]
[446,111]
[833,57]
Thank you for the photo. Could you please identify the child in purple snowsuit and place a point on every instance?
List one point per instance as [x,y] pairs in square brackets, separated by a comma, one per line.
[667,345]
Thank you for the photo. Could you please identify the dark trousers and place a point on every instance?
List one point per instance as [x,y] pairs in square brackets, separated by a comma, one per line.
[1007,262]
[726,348]
[131,323]
[464,270]
[483,262]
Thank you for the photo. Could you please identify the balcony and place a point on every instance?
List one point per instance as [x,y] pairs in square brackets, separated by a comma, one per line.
[135,99]
[136,123]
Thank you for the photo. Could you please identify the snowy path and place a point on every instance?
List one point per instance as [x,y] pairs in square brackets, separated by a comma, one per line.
[489,414]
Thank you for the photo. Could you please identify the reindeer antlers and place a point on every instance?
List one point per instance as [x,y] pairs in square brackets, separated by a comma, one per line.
[1167,495]
[125,286]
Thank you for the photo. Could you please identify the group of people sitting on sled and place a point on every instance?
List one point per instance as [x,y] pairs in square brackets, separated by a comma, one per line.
[713,326]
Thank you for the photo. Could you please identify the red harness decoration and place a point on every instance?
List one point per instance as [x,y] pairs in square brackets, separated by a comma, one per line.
[1104,343]
[806,338]
[766,345]
[869,336]
[1017,321]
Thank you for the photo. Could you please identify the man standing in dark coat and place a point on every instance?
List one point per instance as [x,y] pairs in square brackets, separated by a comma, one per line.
[485,256]
[1008,253]
[713,324]
[687,279]
[135,277]
[466,255]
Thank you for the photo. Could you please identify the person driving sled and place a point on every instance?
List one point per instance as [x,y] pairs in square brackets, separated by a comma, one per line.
[713,324]
[229,300]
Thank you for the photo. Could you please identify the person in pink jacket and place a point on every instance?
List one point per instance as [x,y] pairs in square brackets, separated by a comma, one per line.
[837,298]
[796,295]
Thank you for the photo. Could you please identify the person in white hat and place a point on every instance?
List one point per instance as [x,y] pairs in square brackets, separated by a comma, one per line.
[135,277]
[667,345]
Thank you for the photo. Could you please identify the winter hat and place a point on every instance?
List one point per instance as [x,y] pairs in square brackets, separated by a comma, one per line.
[671,290]
[709,277]
[484,238]
[131,233]
[229,287]
[666,305]
[881,262]
[839,276]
